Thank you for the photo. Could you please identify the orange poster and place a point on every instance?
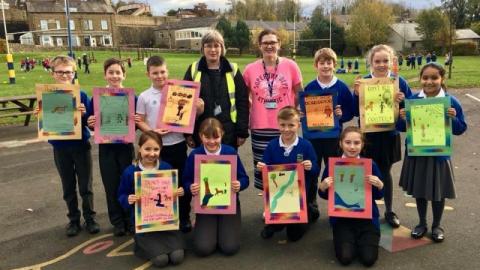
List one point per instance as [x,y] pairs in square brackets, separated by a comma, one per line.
[319,112]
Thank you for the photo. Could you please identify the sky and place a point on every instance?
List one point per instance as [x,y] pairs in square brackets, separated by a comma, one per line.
[160,7]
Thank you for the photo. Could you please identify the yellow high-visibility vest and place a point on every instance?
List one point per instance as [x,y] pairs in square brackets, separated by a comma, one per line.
[229,76]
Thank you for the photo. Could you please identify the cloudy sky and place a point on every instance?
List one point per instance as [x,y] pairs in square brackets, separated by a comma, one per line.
[160,7]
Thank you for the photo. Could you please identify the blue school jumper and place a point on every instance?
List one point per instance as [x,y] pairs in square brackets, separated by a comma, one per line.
[376,195]
[189,171]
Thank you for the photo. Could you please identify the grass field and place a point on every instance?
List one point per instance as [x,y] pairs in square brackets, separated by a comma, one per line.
[465,73]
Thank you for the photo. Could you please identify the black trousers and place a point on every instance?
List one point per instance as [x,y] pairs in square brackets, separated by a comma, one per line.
[113,160]
[176,155]
[74,165]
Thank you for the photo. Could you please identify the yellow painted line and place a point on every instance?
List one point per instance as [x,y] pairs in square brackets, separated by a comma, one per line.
[143,267]
[66,255]
[116,252]
[380,202]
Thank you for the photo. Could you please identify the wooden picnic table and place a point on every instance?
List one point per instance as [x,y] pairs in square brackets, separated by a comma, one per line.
[23,105]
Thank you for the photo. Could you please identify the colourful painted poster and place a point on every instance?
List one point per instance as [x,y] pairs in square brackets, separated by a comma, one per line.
[429,129]
[178,106]
[350,195]
[378,109]
[158,206]
[215,174]
[58,117]
[115,110]
[319,120]
[284,194]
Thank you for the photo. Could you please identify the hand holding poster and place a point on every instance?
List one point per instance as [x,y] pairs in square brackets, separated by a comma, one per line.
[319,118]
[378,109]
[284,194]
[178,106]
[350,195]
[59,117]
[429,129]
[157,209]
[114,113]
[214,175]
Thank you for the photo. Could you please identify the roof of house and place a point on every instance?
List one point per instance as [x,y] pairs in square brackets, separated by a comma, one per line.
[194,22]
[407,30]
[275,25]
[466,34]
[76,6]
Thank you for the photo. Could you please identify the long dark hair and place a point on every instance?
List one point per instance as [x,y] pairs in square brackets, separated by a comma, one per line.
[441,70]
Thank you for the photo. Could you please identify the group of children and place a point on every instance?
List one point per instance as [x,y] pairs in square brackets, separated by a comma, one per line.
[425,178]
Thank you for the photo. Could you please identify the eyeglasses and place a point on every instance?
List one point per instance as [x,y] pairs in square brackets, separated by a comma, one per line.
[61,73]
[269,43]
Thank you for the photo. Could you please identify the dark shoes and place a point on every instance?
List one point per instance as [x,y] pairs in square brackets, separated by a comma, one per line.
[438,235]
[419,231]
[73,228]
[119,230]
[186,226]
[392,219]
[92,226]
[269,230]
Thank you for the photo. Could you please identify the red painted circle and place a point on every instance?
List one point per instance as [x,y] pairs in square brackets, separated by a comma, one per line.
[97,247]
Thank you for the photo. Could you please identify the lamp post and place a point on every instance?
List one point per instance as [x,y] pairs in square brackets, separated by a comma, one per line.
[69,38]
[11,70]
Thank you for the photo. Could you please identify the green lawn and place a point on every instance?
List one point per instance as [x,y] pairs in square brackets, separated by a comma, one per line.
[465,74]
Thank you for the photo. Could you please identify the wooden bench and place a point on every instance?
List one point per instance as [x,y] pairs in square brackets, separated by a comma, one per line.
[22,105]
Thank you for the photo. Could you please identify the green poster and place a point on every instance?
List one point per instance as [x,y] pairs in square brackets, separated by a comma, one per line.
[283,192]
[114,115]
[215,184]
[349,187]
[379,107]
[58,112]
[428,124]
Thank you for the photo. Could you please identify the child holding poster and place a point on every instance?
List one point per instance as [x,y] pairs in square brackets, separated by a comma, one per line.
[159,247]
[73,158]
[175,147]
[212,230]
[113,157]
[430,178]
[290,148]
[326,144]
[354,235]
[383,147]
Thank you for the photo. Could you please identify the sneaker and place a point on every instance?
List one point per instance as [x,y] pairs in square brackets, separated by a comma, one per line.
[92,226]
[73,228]
[392,219]
[119,230]
[186,226]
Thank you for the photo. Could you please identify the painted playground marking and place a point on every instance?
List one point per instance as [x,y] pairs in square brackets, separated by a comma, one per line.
[414,205]
[66,255]
[17,143]
[473,97]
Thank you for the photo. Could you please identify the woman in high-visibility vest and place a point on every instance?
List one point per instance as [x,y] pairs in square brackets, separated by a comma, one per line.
[222,90]
[273,83]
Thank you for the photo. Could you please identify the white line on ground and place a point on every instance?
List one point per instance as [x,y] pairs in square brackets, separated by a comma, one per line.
[473,97]
[17,143]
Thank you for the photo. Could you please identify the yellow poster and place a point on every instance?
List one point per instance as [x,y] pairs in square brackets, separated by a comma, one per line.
[179,106]
[379,104]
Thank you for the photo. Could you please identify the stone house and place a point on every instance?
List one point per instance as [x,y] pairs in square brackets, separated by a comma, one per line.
[91,22]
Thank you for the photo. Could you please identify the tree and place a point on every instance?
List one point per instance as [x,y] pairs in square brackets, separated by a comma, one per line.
[241,36]
[319,28]
[430,23]
[286,10]
[172,12]
[370,24]
[475,27]
[225,28]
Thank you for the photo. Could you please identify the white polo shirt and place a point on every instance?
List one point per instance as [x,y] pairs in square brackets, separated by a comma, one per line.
[148,104]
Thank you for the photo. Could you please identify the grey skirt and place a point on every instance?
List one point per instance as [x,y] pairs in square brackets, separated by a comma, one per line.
[428,178]
[152,244]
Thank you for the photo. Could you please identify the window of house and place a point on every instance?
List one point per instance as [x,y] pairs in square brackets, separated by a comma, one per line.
[107,40]
[72,25]
[58,24]
[43,24]
[59,42]
[47,41]
[87,25]
[104,24]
